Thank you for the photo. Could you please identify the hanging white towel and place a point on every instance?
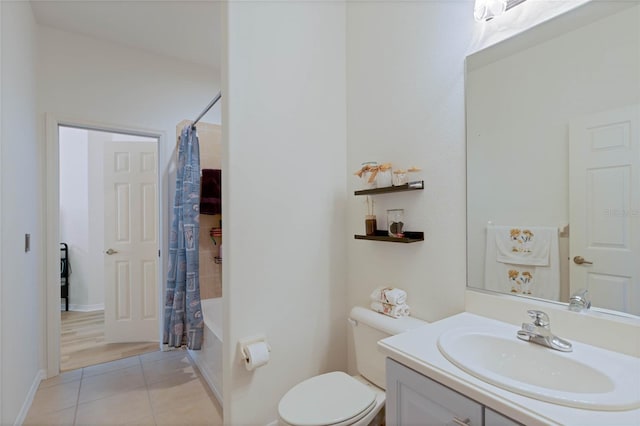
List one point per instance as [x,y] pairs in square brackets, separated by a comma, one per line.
[537,281]
[524,245]
[391,296]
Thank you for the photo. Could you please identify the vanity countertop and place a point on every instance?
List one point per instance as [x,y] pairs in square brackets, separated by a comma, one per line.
[418,350]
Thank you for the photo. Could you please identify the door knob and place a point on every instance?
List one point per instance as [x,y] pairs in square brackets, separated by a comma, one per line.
[579,260]
[111,251]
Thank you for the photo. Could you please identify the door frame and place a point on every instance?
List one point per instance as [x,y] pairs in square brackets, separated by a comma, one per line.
[1,141]
[52,225]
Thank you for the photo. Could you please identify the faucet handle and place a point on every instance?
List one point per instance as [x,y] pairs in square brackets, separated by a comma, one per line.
[539,318]
[580,300]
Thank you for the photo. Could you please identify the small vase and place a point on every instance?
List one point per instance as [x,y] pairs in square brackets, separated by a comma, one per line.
[370,224]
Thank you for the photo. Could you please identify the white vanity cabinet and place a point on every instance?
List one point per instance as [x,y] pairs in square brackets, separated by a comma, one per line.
[413,399]
[425,388]
[491,418]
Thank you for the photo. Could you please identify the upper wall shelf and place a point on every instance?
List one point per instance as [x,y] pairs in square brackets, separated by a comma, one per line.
[413,186]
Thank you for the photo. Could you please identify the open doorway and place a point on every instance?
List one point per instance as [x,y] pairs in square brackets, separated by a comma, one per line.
[108,221]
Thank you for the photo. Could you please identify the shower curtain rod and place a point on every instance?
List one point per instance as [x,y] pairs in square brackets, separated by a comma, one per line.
[212,103]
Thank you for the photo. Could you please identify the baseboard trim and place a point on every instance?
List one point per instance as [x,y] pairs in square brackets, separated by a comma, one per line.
[85,308]
[22,415]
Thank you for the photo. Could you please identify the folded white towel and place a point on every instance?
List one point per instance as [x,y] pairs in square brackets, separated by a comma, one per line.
[395,311]
[524,246]
[389,295]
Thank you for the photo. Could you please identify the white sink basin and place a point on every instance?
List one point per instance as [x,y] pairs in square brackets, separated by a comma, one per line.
[588,377]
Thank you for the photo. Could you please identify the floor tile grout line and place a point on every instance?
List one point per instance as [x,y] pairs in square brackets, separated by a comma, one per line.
[141,362]
[109,395]
[112,370]
[146,387]
[75,411]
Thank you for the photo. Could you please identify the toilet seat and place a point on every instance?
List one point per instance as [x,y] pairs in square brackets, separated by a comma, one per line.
[334,399]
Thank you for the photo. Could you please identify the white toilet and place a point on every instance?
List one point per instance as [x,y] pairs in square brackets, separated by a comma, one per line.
[338,399]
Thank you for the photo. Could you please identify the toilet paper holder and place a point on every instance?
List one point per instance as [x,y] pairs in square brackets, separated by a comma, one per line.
[243,343]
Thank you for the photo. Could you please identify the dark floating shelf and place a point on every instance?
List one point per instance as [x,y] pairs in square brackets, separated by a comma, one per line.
[409,237]
[413,186]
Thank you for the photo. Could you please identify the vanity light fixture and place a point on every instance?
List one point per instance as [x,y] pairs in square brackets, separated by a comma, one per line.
[486,10]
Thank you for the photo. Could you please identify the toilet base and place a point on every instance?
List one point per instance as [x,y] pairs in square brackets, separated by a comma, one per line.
[375,417]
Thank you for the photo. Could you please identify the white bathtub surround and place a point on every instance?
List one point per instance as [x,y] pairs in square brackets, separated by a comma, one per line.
[209,358]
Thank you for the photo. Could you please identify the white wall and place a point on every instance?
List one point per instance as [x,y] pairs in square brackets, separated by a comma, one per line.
[405,97]
[405,86]
[96,218]
[114,84]
[74,210]
[82,78]
[286,81]
[91,81]
[284,145]
[22,172]
[1,139]
[405,104]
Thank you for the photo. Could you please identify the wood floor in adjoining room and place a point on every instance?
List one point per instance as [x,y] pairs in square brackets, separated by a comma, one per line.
[82,342]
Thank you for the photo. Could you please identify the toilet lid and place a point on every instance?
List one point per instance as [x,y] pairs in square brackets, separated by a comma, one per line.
[326,399]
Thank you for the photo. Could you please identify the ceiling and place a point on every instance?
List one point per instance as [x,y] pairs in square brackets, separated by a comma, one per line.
[186,30]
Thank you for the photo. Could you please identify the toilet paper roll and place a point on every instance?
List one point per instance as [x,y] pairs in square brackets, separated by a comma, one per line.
[256,355]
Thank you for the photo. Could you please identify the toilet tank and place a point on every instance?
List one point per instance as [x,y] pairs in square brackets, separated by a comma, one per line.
[368,328]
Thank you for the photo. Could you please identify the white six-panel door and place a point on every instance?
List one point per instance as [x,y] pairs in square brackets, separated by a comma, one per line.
[131,241]
[605,208]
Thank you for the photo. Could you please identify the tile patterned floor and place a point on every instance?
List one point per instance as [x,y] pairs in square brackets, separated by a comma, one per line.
[157,388]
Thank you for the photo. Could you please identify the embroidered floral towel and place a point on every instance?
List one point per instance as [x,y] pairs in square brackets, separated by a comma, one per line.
[537,281]
[524,245]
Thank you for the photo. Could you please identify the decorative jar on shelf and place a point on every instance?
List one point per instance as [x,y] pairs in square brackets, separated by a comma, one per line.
[414,175]
[399,177]
[384,178]
[368,173]
[395,222]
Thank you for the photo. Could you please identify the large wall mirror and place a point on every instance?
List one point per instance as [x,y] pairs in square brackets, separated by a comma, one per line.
[553,159]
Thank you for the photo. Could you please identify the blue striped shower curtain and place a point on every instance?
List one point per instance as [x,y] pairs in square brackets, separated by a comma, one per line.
[183,322]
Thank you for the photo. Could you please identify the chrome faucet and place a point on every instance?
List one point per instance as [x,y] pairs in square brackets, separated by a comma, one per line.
[539,331]
[580,300]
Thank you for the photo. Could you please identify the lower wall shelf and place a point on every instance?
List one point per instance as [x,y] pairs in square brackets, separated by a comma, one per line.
[409,237]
